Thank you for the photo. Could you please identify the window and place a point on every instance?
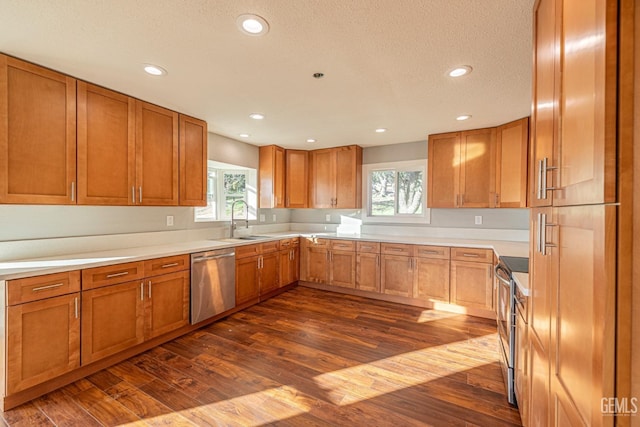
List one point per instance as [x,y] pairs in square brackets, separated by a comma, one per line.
[226,184]
[396,192]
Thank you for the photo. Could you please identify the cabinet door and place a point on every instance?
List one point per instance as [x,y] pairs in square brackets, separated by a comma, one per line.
[477,168]
[396,275]
[271,173]
[106,146]
[511,164]
[444,176]
[297,179]
[269,272]
[368,272]
[37,134]
[167,303]
[317,264]
[545,106]
[43,341]
[348,177]
[583,316]
[112,320]
[588,102]
[322,178]
[522,369]
[247,284]
[539,411]
[472,284]
[431,279]
[294,266]
[156,155]
[193,161]
[285,269]
[343,269]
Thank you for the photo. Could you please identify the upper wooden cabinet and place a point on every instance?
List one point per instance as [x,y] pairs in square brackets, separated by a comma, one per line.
[37,134]
[296,179]
[511,164]
[156,155]
[106,146]
[335,177]
[462,169]
[271,173]
[573,154]
[193,161]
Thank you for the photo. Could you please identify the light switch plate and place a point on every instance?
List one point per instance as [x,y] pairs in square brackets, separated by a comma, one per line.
[274,218]
[169,220]
[327,217]
[478,219]
[262,218]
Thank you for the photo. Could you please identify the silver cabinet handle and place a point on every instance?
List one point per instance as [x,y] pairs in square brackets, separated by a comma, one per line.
[468,255]
[73,191]
[539,186]
[122,273]
[149,289]
[133,195]
[462,200]
[173,264]
[75,306]
[410,264]
[539,232]
[207,258]
[142,291]
[44,288]
[140,194]
[378,260]
[430,252]
[543,234]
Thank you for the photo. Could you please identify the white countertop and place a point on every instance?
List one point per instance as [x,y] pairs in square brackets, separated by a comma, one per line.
[35,267]
[522,282]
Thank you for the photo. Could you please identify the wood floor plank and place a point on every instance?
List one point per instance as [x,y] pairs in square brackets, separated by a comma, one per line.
[304,358]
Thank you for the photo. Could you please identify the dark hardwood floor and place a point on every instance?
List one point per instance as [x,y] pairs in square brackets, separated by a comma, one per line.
[303,358]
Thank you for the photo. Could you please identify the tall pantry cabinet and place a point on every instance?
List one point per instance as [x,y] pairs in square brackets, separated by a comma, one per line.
[573,220]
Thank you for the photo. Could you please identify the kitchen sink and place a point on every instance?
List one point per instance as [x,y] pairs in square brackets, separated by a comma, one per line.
[252,237]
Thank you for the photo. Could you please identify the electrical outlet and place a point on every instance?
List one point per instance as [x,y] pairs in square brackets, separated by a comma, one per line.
[169,220]
[274,218]
[327,217]
[478,219]
[262,218]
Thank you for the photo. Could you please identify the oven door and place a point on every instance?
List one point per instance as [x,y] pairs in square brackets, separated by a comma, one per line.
[505,312]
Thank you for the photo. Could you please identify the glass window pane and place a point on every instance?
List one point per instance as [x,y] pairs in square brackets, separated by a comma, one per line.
[410,192]
[235,188]
[383,192]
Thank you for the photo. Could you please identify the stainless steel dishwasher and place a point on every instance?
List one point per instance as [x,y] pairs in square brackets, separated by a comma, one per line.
[213,283]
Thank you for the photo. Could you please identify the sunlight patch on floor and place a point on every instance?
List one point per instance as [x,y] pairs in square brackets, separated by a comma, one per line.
[434,314]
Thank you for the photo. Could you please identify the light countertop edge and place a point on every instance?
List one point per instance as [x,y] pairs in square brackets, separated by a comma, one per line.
[17,269]
[522,282]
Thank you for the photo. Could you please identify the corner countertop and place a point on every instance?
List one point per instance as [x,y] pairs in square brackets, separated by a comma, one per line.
[522,282]
[35,267]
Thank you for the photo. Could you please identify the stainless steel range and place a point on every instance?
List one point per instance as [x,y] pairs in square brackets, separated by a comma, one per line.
[507,317]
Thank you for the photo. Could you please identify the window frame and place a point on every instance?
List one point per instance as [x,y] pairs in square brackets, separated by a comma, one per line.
[399,166]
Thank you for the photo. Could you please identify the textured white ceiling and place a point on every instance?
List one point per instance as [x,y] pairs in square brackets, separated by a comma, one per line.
[385,62]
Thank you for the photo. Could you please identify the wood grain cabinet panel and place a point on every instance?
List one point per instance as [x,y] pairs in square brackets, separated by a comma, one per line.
[247,283]
[296,178]
[289,261]
[472,284]
[444,177]
[166,303]
[335,177]
[157,144]
[342,269]
[159,266]
[368,271]
[37,133]
[511,164]
[193,161]
[269,272]
[431,279]
[43,341]
[40,287]
[106,146]
[397,274]
[112,274]
[271,177]
[112,320]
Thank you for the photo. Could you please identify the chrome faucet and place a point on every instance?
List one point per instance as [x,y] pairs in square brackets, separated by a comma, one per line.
[234,226]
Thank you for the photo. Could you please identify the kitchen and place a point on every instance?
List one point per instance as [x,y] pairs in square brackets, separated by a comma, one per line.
[112,234]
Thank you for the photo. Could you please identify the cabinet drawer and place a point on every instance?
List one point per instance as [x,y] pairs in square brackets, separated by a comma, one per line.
[314,242]
[368,247]
[396,249]
[267,247]
[439,252]
[286,243]
[155,267]
[295,242]
[343,245]
[40,287]
[111,274]
[472,254]
[247,251]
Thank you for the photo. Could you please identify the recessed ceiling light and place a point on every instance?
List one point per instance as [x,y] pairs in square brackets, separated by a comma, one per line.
[460,71]
[244,135]
[463,117]
[154,70]
[311,140]
[381,130]
[256,116]
[252,25]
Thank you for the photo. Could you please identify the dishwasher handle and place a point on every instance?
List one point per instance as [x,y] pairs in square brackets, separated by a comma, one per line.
[207,258]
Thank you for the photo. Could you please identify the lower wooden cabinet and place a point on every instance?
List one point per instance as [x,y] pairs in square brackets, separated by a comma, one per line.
[431,279]
[166,303]
[522,368]
[247,285]
[269,272]
[342,269]
[316,264]
[43,341]
[397,275]
[368,272]
[112,320]
[257,271]
[289,266]
[472,284]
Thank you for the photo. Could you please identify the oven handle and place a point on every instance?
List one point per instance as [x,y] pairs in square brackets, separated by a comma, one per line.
[502,275]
